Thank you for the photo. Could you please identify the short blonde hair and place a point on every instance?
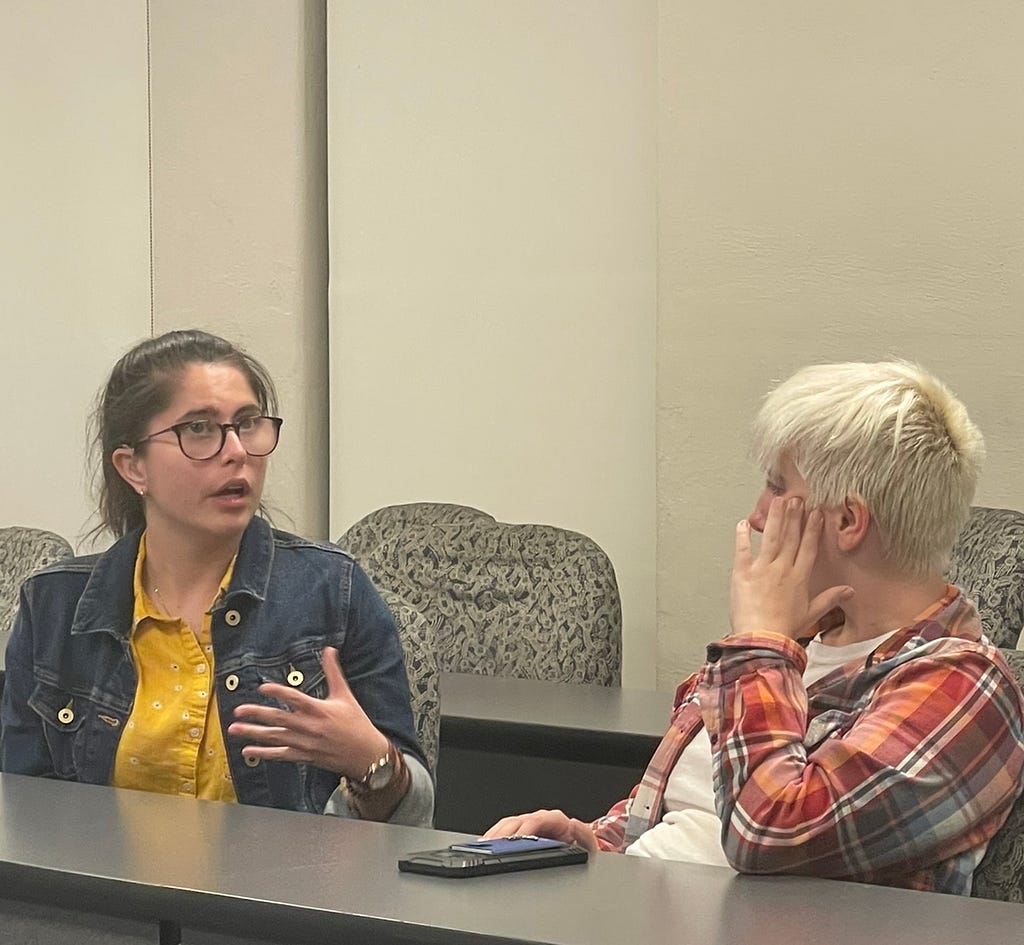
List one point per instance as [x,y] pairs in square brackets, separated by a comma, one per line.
[889,433]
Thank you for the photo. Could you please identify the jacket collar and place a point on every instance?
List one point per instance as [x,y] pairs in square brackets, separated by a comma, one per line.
[107,603]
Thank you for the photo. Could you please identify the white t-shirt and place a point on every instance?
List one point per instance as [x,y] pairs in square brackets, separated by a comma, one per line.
[690,829]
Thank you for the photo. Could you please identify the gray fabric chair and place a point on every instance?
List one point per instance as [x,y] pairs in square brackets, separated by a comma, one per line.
[988,563]
[531,601]
[419,644]
[22,551]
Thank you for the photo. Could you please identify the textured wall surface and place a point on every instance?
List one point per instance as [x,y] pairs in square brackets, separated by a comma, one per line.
[493,260]
[835,183]
[532,210]
[239,211]
[74,240]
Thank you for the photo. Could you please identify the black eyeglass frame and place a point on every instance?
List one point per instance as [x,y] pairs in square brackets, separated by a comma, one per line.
[176,429]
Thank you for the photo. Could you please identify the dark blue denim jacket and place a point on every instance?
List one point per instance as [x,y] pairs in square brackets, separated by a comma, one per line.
[288,599]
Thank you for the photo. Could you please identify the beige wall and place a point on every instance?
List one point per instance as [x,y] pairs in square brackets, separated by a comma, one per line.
[239,231]
[74,242]
[805,182]
[493,223]
[239,209]
[836,182]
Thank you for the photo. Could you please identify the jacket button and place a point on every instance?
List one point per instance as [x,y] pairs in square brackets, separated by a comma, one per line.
[232,618]
[250,761]
[295,677]
[66,715]
[231,683]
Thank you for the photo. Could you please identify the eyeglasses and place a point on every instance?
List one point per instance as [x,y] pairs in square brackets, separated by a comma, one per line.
[204,439]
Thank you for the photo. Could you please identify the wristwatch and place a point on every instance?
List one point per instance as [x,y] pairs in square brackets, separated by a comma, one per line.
[378,776]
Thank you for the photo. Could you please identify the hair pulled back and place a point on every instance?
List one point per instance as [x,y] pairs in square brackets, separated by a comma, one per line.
[142,383]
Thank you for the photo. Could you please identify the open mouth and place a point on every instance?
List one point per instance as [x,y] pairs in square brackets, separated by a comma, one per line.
[234,490]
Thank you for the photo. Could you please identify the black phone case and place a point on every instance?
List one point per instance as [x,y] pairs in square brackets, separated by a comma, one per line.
[457,864]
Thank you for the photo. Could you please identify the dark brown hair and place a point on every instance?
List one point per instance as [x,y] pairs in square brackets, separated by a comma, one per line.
[142,384]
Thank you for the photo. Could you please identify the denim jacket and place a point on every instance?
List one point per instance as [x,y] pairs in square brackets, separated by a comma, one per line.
[71,678]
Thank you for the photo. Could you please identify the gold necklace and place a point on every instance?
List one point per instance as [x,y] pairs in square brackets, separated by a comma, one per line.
[166,608]
[163,603]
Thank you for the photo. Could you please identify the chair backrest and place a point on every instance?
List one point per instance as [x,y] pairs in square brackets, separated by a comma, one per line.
[531,601]
[22,551]
[1000,875]
[419,644]
[988,563]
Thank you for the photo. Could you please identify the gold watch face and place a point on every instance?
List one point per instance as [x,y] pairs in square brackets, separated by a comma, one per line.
[380,775]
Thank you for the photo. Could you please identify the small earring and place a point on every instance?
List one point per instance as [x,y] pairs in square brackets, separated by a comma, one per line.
[142,491]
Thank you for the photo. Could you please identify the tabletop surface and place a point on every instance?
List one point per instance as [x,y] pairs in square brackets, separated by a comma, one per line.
[558,705]
[306,878]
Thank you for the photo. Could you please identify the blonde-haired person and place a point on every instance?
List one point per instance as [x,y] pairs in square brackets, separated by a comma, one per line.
[855,723]
[889,433]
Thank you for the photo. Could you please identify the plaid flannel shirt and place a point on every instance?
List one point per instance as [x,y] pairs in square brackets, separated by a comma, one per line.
[895,770]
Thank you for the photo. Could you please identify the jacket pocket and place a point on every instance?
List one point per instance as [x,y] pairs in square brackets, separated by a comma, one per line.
[300,668]
[79,733]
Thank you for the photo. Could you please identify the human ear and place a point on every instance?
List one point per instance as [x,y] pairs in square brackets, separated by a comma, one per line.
[853,519]
[130,467]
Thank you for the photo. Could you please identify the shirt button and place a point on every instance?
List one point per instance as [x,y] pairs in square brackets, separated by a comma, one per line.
[231,683]
[250,761]
[194,732]
[66,716]
[186,787]
[200,667]
[295,678]
[232,618]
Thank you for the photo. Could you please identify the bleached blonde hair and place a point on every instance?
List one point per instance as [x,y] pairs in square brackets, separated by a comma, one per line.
[889,433]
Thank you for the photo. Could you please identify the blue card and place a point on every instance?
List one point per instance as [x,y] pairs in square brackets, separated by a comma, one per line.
[504,845]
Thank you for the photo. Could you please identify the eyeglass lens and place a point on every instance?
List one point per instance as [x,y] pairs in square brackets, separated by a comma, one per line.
[204,439]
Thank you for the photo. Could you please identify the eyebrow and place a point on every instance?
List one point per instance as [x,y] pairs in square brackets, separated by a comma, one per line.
[205,413]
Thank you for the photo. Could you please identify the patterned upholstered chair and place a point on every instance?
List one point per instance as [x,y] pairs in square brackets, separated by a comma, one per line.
[22,551]
[988,563]
[419,644]
[531,601]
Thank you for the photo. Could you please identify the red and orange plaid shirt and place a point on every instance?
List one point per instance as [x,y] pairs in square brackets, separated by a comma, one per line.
[897,769]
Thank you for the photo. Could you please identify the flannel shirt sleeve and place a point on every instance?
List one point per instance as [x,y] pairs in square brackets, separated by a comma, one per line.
[926,771]
[610,830]
[613,830]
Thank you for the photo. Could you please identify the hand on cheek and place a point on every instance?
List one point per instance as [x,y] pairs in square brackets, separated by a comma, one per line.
[770,590]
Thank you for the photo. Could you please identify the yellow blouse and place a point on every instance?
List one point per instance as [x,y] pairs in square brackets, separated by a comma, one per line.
[172,742]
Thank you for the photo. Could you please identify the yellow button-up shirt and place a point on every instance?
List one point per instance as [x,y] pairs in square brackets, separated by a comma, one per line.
[173,742]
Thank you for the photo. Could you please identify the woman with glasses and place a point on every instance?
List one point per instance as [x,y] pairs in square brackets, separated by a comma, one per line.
[206,654]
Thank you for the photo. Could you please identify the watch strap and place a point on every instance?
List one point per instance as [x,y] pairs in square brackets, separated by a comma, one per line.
[379,805]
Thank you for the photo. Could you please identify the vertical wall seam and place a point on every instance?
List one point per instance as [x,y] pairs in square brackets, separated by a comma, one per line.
[149,150]
[325,232]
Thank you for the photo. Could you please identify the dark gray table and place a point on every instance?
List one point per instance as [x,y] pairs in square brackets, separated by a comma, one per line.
[512,745]
[123,860]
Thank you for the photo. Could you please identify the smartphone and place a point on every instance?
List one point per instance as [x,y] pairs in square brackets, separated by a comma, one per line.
[500,855]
